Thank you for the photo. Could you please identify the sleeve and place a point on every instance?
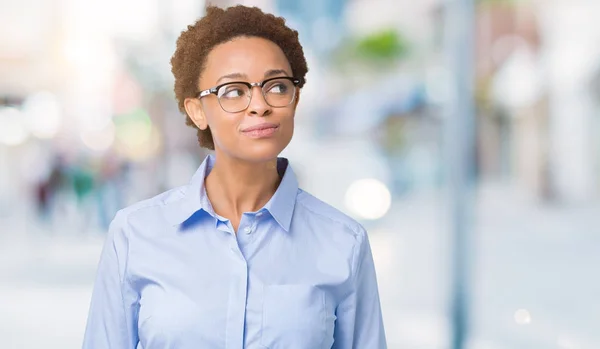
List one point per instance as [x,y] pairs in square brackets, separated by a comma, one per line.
[359,321]
[112,318]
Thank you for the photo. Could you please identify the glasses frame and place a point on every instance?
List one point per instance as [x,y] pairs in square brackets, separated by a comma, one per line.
[251,85]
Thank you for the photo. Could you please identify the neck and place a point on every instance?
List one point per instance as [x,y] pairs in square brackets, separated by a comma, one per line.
[234,186]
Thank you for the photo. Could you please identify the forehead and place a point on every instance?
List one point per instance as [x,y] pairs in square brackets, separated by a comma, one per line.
[249,56]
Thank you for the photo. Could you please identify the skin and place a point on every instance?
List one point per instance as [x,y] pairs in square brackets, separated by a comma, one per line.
[244,176]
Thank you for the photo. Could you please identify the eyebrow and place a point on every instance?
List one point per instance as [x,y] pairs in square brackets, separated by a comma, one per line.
[274,72]
[232,76]
[268,74]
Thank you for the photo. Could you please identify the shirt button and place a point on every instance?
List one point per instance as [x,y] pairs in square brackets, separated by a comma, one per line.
[248,230]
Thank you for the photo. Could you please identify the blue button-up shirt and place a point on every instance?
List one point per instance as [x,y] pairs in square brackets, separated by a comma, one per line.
[174,274]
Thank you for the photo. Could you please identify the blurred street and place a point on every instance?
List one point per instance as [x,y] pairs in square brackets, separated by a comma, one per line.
[388,130]
[534,276]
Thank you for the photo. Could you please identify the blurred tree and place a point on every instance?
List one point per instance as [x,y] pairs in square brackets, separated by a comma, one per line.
[387,45]
[379,50]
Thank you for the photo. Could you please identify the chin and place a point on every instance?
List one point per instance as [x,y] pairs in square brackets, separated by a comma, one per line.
[262,150]
[262,153]
[255,150]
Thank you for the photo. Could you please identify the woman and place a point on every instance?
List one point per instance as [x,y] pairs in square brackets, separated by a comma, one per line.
[240,257]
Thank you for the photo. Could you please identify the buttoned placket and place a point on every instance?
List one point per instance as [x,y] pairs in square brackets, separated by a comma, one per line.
[240,247]
[238,289]
[247,232]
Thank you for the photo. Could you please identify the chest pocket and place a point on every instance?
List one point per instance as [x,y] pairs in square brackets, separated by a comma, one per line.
[294,317]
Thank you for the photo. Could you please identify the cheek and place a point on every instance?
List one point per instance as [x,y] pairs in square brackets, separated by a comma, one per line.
[289,124]
[287,131]
[287,117]
[223,126]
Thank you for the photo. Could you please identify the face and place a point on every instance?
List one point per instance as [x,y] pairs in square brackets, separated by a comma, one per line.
[247,59]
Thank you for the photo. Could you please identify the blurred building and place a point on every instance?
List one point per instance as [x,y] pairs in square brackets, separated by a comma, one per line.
[536,108]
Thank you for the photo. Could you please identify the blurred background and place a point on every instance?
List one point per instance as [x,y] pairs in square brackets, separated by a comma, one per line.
[89,125]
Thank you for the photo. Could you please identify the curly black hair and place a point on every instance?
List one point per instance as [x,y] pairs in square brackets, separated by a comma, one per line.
[219,26]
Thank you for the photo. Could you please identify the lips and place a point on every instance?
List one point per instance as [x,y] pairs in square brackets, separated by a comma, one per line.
[260,127]
[265,130]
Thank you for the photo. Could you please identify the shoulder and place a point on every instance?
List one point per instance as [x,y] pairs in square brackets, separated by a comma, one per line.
[329,215]
[345,234]
[132,221]
[146,211]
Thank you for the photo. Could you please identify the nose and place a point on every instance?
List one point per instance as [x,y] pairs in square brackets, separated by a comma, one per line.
[258,105]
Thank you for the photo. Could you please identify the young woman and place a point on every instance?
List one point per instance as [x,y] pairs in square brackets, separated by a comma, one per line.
[240,257]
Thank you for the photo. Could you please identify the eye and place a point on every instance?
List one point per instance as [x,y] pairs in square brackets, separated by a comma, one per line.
[232,91]
[278,88]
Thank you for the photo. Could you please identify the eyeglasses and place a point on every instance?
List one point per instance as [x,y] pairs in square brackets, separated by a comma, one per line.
[235,96]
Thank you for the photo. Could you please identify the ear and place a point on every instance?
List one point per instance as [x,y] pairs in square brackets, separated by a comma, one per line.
[193,108]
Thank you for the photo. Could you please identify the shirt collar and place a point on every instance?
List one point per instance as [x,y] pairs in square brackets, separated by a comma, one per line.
[280,206]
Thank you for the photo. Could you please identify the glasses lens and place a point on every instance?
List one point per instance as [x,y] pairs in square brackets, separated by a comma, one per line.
[279,92]
[234,97]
